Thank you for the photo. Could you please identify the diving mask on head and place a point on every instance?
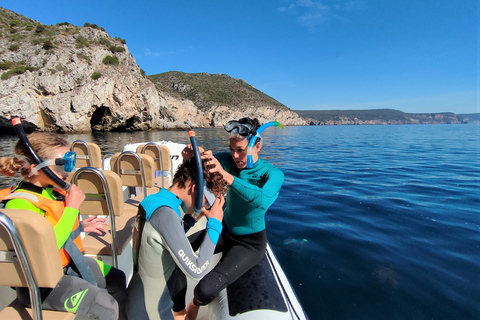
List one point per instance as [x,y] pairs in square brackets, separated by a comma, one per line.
[240,130]
[67,163]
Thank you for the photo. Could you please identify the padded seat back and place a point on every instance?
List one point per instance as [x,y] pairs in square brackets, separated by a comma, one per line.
[102,189]
[161,156]
[103,197]
[38,240]
[28,258]
[88,154]
[135,170]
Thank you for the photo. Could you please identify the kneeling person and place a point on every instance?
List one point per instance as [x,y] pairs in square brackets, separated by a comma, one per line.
[160,243]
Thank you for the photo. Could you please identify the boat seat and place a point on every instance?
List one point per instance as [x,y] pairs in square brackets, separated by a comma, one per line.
[88,154]
[136,171]
[28,258]
[104,197]
[163,161]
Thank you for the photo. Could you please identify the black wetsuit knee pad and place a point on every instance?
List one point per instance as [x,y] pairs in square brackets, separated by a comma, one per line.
[116,284]
[209,287]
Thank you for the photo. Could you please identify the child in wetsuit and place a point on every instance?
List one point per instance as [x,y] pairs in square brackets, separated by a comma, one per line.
[161,247]
[81,289]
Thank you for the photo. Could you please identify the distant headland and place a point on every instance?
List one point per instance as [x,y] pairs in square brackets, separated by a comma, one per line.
[383,116]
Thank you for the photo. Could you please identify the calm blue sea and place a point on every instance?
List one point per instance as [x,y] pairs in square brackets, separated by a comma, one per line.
[373,222]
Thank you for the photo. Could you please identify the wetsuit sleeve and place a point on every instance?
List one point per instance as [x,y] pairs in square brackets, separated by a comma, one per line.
[260,197]
[168,224]
[64,226]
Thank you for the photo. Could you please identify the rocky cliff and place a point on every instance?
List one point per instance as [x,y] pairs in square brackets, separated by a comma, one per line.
[66,78]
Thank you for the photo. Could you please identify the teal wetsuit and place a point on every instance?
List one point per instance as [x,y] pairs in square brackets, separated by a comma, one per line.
[243,240]
[252,192]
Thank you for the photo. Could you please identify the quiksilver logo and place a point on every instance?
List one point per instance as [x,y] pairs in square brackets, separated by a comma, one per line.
[189,263]
[72,303]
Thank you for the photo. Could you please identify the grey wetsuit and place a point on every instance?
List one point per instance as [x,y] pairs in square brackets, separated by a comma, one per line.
[163,246]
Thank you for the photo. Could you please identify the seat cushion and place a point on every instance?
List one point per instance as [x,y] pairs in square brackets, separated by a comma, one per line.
[96,244]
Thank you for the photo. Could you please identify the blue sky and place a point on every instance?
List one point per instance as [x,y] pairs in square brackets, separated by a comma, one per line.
[410,55]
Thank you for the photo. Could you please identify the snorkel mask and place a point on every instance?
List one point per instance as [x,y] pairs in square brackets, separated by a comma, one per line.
[68,163]
[202,188]
[240,130]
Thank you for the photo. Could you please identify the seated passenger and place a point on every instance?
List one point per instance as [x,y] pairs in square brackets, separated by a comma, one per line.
[80,290]
[161,246]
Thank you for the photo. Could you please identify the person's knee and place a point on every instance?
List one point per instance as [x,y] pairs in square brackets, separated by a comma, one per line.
[77,296]
[116,279]
[104,307]
[208,288]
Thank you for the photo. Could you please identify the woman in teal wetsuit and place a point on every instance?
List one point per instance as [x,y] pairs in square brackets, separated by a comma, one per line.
[251,191]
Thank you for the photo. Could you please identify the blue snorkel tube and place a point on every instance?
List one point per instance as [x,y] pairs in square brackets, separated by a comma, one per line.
[198,161]
[254,139]
[17,125]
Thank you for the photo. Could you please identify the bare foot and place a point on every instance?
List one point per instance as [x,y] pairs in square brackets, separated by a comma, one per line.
[180,315]
[192,311]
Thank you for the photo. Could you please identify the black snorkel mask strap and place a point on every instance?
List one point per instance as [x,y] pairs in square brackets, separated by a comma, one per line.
[17,125]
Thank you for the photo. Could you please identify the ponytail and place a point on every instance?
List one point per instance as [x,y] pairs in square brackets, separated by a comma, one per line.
[10,166]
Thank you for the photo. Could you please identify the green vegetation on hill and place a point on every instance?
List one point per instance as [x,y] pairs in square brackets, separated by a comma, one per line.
[22,35]
[206,89]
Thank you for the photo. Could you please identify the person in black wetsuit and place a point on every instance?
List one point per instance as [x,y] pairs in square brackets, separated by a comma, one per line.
[251,191]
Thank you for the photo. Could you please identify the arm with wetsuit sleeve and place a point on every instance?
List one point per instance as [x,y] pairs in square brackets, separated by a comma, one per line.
[260,197]
[168,224]
[62,228]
